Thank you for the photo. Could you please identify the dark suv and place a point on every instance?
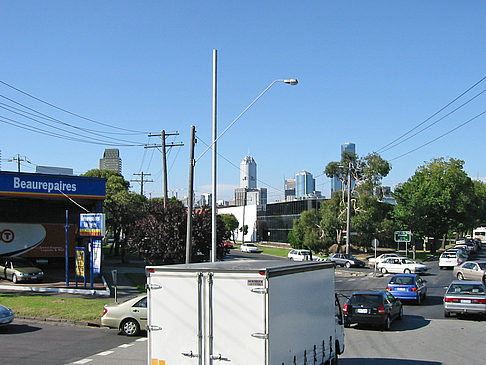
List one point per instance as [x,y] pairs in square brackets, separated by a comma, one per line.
[372,308]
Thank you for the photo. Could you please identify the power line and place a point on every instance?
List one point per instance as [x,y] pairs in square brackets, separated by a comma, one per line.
[433,115]
[434,123]
[67,111]
[442,135]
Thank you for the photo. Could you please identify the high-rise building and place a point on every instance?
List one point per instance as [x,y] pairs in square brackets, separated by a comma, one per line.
[111,160]
[248,175]
[248,193]
[305,184]
[336,184]
[289,189]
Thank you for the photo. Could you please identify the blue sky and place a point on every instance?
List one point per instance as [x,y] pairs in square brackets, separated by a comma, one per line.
[368,71]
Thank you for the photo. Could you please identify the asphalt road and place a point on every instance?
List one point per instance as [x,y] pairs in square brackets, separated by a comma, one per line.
[422,337]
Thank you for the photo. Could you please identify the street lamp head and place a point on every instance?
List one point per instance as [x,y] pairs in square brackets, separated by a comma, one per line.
[291,81]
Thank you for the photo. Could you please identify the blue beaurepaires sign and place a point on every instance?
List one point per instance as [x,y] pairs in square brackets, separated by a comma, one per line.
[42,185]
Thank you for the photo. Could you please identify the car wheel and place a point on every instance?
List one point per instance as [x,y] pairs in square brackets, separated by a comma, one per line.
[347,264]
[400,314]
[14,279]
[447,314]
[291,259]
[387,324]
[460,276]
[130,327]
[406,271]
[383,270]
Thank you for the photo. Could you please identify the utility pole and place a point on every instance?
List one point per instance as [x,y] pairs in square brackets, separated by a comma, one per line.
[190,196]
[18,159]
[164,146]
[142,181]
[348,217]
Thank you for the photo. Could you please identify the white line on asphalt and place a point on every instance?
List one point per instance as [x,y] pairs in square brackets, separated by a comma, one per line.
[83,361]
[104,353]
[126,345]
[141,339]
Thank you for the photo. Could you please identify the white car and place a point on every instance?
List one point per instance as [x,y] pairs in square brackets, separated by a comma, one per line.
[449,259]
[248,247]
[399,265]
[299,255]
[382,257]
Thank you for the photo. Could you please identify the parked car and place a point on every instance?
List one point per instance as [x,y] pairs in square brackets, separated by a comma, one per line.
[451,258]
[465,297]
[18,269]
[382,257]
[373,308]
[130,317]
[408,286]
[6,315]
[401,265]
[343,259]
[248,247]
[299,255]
[469,243]
[471,270]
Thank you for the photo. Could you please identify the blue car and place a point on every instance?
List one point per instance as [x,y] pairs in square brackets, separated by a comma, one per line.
[408,287]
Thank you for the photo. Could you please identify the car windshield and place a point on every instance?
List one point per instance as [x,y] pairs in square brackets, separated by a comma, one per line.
[402,280]
[249,244]
[474,289]
[349,257]
[21,263]
[366,299]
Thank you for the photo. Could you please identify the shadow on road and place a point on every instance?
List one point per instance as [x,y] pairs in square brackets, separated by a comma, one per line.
[17,329]
[408,323]
[384,361]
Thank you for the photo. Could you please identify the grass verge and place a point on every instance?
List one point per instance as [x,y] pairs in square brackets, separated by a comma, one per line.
[53,307]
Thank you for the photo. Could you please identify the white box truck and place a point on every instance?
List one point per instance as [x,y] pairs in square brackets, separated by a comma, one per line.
[243,312]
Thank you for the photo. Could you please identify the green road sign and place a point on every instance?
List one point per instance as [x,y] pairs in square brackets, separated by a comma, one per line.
[403,236]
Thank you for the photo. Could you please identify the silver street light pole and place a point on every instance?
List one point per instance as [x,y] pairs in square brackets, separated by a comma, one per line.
[216,138]
[348,217]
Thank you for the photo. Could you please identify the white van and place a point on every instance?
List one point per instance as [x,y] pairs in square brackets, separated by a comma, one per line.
[451,258]
[480,233]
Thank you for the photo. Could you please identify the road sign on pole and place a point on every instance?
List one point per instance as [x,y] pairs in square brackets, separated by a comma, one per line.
[403,236]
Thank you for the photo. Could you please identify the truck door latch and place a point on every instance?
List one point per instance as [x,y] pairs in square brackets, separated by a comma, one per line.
[218,357]
[190,354]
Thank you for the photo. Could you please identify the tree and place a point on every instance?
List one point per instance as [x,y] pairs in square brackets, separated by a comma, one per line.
[231,224]
[437,198]
[366,173]
[120,206]
[306,232]
[159,236]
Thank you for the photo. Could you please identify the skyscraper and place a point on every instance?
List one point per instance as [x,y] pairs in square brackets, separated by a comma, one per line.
[111,160]
[304,184]
[248,175]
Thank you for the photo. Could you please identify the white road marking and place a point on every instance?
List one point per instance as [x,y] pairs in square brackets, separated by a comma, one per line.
[142,339]
[124,346]
[83,361]
[104,353]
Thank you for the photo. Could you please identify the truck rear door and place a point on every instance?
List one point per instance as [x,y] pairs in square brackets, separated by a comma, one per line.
[174,318]
[238,305]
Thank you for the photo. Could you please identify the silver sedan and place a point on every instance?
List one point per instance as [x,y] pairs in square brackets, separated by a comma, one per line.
[6,315]
[465,297]
[470,270]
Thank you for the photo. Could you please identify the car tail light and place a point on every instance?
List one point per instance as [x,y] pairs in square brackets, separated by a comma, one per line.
[452,300]
[479,301]
[458,261]
[414,289]
[381,309]
[105,311]
[388,288]
[345,308]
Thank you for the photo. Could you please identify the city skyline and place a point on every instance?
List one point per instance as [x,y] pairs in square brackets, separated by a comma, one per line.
[107,75]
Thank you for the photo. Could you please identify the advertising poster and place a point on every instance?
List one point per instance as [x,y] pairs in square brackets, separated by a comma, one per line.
[96,251]
[80,261]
